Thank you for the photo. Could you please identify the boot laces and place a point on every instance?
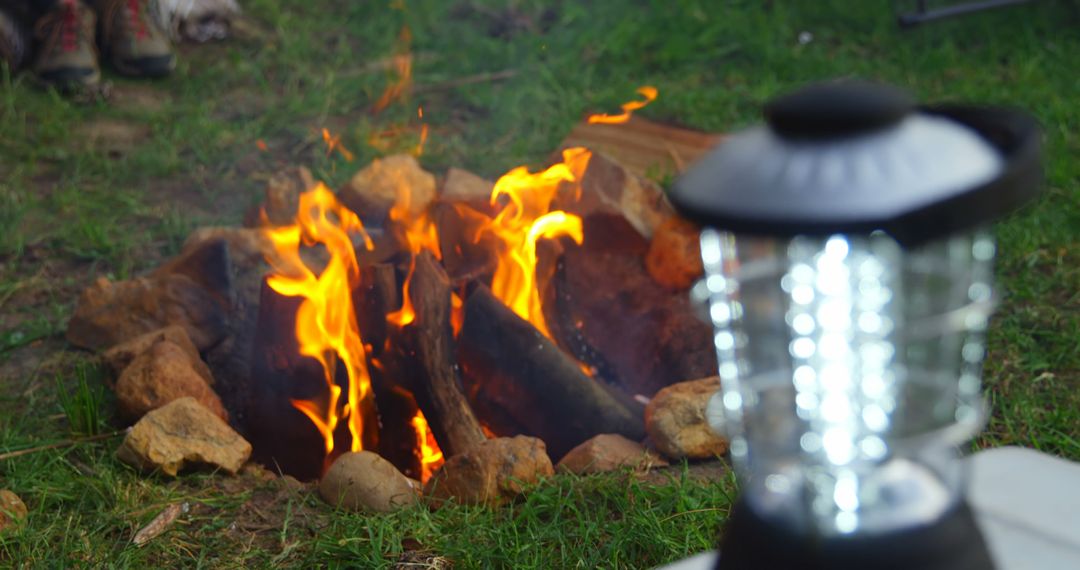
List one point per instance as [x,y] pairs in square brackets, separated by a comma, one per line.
[61,27]
[134,18]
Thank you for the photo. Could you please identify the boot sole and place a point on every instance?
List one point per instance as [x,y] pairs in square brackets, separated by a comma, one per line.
[69,77]
[156,66]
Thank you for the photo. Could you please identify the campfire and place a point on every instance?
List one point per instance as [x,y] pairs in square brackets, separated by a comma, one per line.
[418,317]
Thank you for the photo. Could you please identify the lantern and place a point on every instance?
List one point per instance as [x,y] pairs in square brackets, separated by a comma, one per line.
[848,278]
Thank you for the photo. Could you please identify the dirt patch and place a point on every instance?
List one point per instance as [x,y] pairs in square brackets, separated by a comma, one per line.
[273,505]
[140,97]
[712,471]
[115,137]
[240,105]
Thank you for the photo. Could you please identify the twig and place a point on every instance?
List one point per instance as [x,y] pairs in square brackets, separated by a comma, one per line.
[385,64]
[160,523]
[64,443]
[467,80]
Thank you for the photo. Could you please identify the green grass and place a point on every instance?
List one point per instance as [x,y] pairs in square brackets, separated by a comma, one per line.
[83,403]
[185,156]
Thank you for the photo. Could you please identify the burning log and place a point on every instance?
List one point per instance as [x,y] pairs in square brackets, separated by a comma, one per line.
[642,145]
[429,338]
[282,435]
[230,359]
[464,257]
[609,305]
[521,382]
[374,299]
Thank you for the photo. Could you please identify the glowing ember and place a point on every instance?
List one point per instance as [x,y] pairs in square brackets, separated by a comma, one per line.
[431,457]
[402,64]
[326,327]
[333,142]
[524,220]
[457,313]
[419,150]
[648,92]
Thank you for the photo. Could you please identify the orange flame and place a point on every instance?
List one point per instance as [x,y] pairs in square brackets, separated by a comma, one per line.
[523,221]
[326,326]
[431,457]
[402,65]
[647,91]
[420,234]
[333,142]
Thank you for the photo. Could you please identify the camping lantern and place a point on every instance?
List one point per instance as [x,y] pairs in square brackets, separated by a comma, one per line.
[848,278]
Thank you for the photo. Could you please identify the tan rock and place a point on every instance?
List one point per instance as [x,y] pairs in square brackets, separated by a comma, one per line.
[183,434]
[281,197]
[674,258]
[386,182]
[120,356]
[109,313]
[492,472]
[159,375]
[676,423]
[608,452]
[364,481]
[464,186]
[11,509]
[608,187]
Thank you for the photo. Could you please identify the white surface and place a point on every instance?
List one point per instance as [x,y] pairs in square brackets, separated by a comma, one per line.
[703,561]
[1027,504]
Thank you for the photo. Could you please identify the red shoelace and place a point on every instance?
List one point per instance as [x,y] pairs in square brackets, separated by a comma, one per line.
[69,26]
[133,7]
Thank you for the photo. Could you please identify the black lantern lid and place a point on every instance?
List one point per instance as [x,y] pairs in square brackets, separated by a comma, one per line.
[854,157]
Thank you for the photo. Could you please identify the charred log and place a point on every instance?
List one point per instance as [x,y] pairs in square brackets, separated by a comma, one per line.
[374,299]
[429,339]
[521,382]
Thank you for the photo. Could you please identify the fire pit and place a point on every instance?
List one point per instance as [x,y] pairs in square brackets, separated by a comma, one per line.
[423,318]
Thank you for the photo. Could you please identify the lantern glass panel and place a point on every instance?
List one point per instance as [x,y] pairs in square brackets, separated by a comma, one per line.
[850,371]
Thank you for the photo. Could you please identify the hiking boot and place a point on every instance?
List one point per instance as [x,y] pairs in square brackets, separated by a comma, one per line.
[135,44]
[67,57]
[13,41]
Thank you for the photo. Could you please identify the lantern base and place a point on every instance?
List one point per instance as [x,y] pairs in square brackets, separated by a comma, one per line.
[954,542]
